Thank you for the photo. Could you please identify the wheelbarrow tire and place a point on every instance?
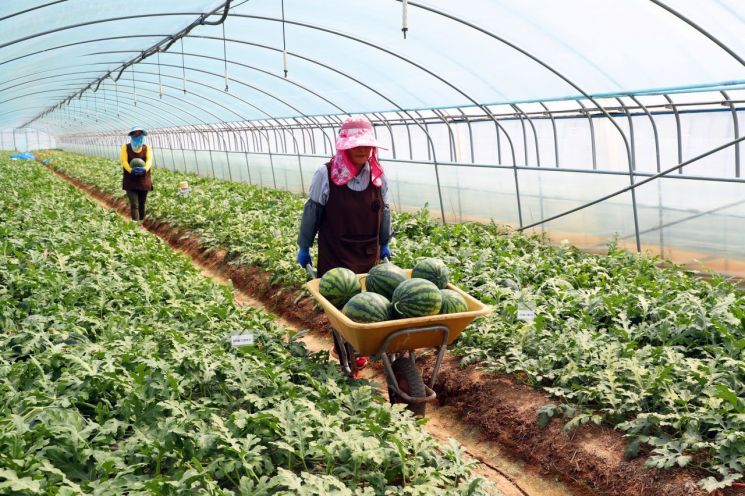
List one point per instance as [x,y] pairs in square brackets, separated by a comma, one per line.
[410,381]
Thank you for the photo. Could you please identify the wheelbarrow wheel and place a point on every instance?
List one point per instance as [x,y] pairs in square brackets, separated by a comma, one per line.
[410,382]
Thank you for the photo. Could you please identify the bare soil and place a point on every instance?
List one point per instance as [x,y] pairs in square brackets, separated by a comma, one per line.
[488,413]
[589,458]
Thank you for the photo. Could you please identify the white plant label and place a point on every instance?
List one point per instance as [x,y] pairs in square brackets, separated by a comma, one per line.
[242,340]
[526,314]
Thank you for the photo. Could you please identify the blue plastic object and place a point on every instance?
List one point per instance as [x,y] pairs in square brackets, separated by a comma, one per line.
[23,156]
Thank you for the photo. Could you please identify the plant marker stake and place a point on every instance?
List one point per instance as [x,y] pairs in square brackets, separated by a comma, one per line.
[241,340]
[525,314]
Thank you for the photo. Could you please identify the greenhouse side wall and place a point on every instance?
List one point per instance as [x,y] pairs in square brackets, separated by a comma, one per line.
[25,140]
[690,233]
[518,175]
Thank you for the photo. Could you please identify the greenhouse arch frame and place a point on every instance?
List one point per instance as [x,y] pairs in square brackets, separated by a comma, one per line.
[575,145]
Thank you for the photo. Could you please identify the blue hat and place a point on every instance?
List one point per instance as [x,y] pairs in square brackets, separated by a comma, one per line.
[137,128]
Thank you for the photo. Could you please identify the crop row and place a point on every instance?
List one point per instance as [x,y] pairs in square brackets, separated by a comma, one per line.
[616,339]
[117,376]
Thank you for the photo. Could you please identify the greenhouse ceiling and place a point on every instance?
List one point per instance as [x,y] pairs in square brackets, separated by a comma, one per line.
[201,62]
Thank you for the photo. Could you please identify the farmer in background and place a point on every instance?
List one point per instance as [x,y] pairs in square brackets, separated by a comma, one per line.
[137,161]
[348,205]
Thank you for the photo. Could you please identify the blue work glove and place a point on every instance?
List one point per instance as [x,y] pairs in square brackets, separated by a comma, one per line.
[303,257]
[138,171]
[385,252]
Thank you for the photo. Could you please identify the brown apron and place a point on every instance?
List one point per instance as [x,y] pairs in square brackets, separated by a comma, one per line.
[131,182]
[350,227]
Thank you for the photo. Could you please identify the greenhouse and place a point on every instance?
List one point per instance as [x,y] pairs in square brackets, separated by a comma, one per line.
[545,298]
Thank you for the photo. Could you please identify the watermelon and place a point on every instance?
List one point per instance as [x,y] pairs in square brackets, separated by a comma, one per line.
[137,162]
[509,284]
[452,302]
[368,307]
[417,297]
[432,269]
[384,279]
[339,285]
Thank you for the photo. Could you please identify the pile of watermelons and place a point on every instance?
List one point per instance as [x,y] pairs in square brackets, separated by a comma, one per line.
[391,294]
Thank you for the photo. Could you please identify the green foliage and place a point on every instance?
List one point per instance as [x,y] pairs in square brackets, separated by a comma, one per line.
[651,350]
[117,377]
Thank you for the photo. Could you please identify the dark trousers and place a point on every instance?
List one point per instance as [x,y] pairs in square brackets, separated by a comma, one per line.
[137,204]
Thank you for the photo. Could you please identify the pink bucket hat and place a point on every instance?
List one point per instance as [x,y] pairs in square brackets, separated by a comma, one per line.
[357,131]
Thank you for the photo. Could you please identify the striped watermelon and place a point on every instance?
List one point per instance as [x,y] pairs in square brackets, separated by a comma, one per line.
[432,269]
[368,307]
[137,162]
[417,297]
[339,285]
[452,302]
[384,278]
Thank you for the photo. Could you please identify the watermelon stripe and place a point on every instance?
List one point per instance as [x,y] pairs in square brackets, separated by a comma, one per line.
[338,285]
[368,307]
[384,278]
[432,269]
[452,302]
[416,298]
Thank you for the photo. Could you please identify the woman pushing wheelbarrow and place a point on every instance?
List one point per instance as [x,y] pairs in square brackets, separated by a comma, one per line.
[348,209]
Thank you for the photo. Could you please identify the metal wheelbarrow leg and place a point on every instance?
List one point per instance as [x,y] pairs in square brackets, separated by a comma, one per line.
[347,359]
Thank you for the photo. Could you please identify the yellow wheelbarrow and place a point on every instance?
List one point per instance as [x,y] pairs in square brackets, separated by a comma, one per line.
[395,343]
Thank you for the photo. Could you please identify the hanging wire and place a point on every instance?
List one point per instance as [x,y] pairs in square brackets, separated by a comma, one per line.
[160,82]
[225,56]
[134,88]
[116,95]
[284,40]
[183,66]
[405,15]
[159,46]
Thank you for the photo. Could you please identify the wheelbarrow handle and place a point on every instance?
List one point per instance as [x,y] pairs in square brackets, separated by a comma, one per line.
[313,274]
